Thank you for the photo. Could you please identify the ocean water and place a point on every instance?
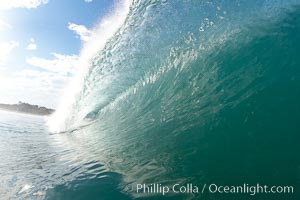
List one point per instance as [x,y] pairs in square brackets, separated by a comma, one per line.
[182,92]
[36,164]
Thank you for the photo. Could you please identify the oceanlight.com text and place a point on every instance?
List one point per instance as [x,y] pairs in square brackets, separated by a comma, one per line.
[248,189]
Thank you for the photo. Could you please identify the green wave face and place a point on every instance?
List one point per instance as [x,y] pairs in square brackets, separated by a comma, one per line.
[197,92]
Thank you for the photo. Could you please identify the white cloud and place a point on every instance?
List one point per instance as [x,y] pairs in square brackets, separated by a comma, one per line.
[4,25]
[9,4]
[42,86]
[88,1]
[5,50]
[61,64]
[81,30]
[33,86]
[32,45]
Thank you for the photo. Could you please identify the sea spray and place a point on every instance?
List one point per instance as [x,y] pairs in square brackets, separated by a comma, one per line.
[102,32]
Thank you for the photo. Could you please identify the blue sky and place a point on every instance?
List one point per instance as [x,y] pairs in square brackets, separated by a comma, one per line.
[40,41]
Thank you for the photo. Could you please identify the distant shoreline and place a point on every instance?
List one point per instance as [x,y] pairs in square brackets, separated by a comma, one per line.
[27,108]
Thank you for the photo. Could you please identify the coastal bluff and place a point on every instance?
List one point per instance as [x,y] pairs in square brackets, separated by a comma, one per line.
[22,107]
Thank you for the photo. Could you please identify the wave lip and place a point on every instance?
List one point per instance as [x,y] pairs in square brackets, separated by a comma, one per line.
[63,117]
